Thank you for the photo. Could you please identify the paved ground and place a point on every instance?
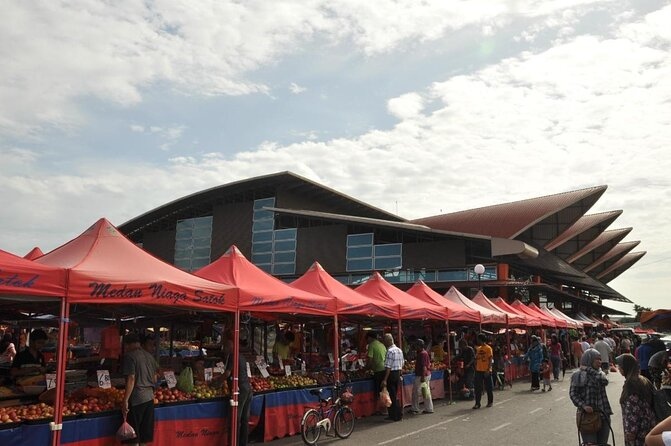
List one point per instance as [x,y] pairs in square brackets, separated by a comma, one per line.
[518,417]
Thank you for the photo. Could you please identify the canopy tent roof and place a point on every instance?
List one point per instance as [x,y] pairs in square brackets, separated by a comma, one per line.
[261,292]
[559,313]
[317,281]
[659,318]
[21,277]
[512,318]
[582,317]
[559,323]
[410,307]
[545,320]
[489,316]
[529,320]
[34,253]
[104,267]
[455,312]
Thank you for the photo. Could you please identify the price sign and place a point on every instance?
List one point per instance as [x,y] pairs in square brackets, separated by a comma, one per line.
[344,366]
[287,370]
[263,370]
[249,371]
[362,363]
[170,379]
[281,363]
[331,358]
[104,381]
[433,356]
[51,380]
[303,369]
[208,374]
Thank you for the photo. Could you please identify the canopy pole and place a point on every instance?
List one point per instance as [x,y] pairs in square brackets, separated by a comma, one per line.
[400,345]
[235,388]
[449,360]
[508,336]
[336,350]
[61,359]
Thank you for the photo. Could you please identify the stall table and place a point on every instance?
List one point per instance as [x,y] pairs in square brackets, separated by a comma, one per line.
[437,385]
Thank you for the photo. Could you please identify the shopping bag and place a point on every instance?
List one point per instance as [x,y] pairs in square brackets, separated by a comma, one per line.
[126,431]
[185,380]
[385,399]
[425,390]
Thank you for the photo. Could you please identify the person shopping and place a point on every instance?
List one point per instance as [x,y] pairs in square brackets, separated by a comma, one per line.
[535,357]
[422,375]
[483,371]
[588,394]
[393,365]
[638,415]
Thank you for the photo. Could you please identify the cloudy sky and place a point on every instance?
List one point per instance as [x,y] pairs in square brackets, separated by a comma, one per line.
[113,108]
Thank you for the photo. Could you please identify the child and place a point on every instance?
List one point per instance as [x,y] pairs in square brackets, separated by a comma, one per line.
[546,371]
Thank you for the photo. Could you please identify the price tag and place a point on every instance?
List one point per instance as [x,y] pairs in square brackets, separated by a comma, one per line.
[303,369]
[433,356]
[170,379]
[287,370]
[281,363]
[208,374]
[263,370]
[249,371]
[331,359]
[104,381]
[51,380]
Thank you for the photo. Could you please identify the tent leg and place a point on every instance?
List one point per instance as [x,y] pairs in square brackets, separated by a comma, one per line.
[336,350]
[449,361]
[60,372]
[400,345]
[235,388]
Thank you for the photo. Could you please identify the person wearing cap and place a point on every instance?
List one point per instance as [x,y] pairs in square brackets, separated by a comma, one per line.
[483,371]
[137,406]
[535,357]
[638,417]
[422,375]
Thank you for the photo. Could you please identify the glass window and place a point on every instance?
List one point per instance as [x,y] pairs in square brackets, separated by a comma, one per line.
[263,215]
[428,276]
[266,236]
[360,239]
[265,267]
[184,264]
[264,202]
[202,232]
[185,224]
[184,234]
[284,268]
[388,250]
[360,265]
[202,242]
[286,234]
[183,244]
[452,276]
[184,253]
[258,248]
[262,258]
[199,263]
[202,222]
[288,245]
[201,252]
[265,225]
[284,257]
[388,262]
[359,252]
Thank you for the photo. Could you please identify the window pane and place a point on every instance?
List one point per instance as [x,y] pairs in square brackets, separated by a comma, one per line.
[360,252]
[289,245]
[185,224]
[202,222]
[266,236]
[284,268]
[183,264]
[183,244]
[264,202]
[388,262]
[283,257]
[263,215]
[261,258]
[388,250]
[265,267]
[286,234]
[185,233]
[202,242]
[258,248]
[202,232]
[359,239]
[202,252]
[199,263]
[360,265]
[183,253]
[447,276]
[265,225]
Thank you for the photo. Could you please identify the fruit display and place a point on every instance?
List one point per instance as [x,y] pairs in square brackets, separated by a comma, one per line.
[290,382]
[409,367]
[260,384]
[359,374]
[32,412]
[438,365]
[323,378]
[203,391]
[165,395]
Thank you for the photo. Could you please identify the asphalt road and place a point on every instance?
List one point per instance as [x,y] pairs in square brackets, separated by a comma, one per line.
[518,417]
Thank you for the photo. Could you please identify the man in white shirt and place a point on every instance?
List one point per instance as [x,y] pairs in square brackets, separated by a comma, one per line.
[604,349]
[393,365]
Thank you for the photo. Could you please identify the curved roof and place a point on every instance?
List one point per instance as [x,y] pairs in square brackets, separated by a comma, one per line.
[620,266]
[511,220]
[612,256]
[582,232]
[598,247]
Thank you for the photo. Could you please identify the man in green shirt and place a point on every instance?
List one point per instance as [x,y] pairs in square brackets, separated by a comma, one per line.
[376,355]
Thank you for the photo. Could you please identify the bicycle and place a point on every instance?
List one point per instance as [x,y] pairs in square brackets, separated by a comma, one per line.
[329,414]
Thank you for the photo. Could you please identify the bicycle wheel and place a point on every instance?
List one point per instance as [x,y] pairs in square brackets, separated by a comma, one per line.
[344,422]
[310,431]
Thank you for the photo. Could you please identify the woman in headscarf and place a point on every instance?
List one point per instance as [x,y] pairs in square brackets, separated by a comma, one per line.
[588,394]
[638,415]
[535,358]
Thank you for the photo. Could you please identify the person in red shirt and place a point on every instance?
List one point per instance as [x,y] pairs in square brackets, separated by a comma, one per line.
[422,375]
[546,370]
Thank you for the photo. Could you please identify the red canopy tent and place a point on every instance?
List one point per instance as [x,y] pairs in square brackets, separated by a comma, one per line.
[21,277]
[530,321]
[544,319]
[455,311]
[34,253]
[572,322]
[104,267]
[561,322]
[558,323]
[488,316]
[512,318]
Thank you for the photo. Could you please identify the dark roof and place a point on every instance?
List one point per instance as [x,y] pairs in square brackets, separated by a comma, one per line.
[252,188]
[598,247]
[510,220]
[621,266]
[582,232]
[612,256]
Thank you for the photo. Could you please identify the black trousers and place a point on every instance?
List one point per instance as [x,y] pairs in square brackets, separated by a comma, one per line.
[378,377]
[244,410]
[486,379]
[395,411]
[535,380]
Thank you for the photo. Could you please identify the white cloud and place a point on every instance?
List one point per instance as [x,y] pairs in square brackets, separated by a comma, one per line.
[137,128]
[168,136]
[296,89]
[409,105]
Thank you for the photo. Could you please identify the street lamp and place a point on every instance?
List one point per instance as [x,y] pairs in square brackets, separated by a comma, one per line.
[479,270]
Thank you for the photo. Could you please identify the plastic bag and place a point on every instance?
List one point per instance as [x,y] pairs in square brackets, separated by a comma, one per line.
[185,380]
[126,431]
[385,399]
[425,390]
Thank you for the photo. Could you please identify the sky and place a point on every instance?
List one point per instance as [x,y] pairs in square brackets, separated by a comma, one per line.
[114,108]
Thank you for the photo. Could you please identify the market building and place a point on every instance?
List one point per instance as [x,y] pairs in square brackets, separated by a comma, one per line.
[543,250]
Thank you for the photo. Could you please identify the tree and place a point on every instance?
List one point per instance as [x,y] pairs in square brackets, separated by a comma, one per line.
[639,309]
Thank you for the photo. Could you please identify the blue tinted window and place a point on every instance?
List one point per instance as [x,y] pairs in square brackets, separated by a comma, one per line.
[185,224]
[261,247]
[288,245]
[202,222]
[359,252]
[261,258]
[184,234]
[183,244]
[284,268]
[284,257]
[265,225]
[387,262]
[264,202]
[359,239]
[201,252]
[451,276]
[199,263]
[360,265]
[265,267]
[266,236]
[183,253]
[286,234]
[263,215]
[184,264]
[202,232]
[388,250]
[193,237]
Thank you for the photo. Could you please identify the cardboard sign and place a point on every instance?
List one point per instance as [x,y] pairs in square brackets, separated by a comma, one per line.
[287,370]
[249,371]
[208,374]
[104,381]
[51,380]
[170,379]
[263,370]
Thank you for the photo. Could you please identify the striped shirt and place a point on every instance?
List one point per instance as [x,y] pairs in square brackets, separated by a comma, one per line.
[394,359]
